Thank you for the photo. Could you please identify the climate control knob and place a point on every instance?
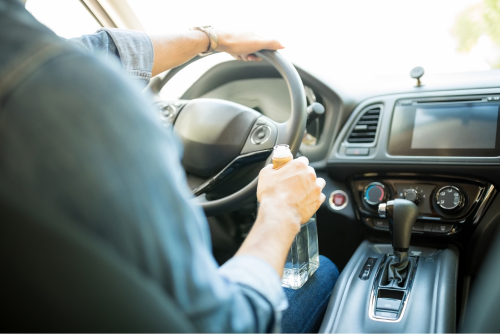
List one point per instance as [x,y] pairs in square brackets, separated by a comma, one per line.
[449,198]
[412,195]
[374,193]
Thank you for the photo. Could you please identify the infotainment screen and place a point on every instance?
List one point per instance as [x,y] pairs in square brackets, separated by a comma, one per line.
[446,129]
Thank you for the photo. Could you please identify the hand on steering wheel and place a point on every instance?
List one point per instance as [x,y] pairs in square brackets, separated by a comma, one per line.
[243,45]
[222,137]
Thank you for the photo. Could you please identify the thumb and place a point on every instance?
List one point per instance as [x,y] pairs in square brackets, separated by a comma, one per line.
[269,166]
[271,44]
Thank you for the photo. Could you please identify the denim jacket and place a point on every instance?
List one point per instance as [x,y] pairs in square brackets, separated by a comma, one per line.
[81,149]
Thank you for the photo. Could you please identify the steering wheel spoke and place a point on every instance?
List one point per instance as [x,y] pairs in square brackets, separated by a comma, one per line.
[262,137]
[238,163]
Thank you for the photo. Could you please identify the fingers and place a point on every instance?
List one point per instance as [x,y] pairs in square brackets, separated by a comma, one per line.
[249,57]
[268,167]
[252,57]
[321,182]
[322,198]
[303,160]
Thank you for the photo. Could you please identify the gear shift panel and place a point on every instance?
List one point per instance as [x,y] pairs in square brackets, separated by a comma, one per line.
[365,304]
[397,271]
[387,293]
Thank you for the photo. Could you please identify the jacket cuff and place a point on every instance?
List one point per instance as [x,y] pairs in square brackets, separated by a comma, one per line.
[259,276]
[136,51]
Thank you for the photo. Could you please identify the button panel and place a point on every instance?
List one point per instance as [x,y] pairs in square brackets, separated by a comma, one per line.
[380,223]
[463,204]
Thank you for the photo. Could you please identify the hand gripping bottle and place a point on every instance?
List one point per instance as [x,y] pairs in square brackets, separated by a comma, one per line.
[303,259]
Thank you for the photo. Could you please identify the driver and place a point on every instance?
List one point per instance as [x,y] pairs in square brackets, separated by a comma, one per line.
[81,152]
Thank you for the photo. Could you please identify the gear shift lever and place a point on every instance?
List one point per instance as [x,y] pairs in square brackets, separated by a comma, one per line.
[402,215]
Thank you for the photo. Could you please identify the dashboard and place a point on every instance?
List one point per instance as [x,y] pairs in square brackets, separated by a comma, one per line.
[437,144]
[428,149]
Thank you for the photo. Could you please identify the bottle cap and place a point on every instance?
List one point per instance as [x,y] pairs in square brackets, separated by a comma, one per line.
[281,155]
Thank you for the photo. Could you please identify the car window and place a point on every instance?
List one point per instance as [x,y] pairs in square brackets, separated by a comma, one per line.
[67,18]
[362,37]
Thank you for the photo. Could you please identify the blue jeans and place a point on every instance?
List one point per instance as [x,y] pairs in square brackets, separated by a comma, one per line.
[307,305]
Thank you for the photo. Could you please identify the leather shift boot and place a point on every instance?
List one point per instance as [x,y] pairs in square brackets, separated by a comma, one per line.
[396,270]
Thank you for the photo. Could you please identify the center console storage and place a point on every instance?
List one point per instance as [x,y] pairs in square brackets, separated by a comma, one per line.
[364,301]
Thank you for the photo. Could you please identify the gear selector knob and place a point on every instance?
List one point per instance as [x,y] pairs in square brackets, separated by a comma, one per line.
[402,215]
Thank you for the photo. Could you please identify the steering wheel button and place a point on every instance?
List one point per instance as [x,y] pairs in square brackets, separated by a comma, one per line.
[261,134]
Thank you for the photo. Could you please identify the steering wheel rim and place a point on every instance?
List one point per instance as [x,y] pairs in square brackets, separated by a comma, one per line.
[289,132]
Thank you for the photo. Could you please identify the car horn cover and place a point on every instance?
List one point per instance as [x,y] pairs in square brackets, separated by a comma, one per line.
[213,133]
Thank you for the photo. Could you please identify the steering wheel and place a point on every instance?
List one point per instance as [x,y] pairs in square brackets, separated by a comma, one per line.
[221,137]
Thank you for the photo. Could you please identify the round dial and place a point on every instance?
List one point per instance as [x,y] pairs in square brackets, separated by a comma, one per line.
[374,193]
[449,198]
[412,195]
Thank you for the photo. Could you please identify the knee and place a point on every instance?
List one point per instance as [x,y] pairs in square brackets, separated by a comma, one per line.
[327,271]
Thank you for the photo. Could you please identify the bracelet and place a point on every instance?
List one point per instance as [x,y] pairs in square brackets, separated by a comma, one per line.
[212,37]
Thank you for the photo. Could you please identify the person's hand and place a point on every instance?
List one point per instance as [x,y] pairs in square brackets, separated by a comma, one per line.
[242,45]
[293,188]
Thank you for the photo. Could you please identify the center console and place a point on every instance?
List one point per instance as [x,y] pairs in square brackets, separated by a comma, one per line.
[361,303]
[395,288]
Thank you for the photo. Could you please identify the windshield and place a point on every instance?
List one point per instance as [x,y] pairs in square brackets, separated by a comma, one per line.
[352,37]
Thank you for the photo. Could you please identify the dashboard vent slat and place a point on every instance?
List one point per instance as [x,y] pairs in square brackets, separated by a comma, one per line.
[365,129]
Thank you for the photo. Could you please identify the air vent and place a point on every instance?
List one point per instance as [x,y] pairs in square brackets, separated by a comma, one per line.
[365,129]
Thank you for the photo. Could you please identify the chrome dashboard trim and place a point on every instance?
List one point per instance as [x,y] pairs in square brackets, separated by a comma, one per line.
[490,193]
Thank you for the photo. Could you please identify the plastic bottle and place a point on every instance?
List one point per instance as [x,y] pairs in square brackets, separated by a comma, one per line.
[303,258]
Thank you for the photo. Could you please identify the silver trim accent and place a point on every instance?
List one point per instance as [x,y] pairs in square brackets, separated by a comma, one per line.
[330,200]
[406,296]
[382,210]
[490,193]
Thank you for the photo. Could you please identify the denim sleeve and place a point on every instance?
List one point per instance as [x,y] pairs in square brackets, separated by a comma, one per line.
[96,157]
[134,49]
[258,275]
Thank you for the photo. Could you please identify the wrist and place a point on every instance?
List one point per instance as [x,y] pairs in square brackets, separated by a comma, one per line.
[211,37]
[283,216]
[201,40]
